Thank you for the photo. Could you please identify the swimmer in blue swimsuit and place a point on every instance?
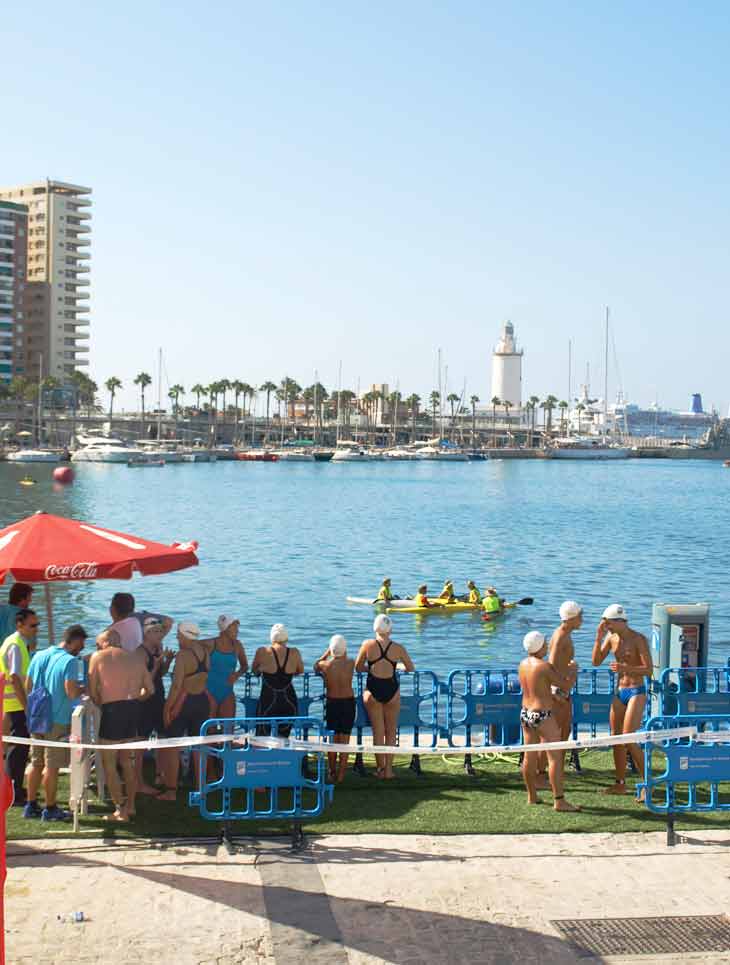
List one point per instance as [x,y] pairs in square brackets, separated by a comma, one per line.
[228,663]
[632,664]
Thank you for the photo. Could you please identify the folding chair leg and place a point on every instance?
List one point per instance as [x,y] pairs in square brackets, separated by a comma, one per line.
[415,765]
[468,766]
[671,836]
[359,766]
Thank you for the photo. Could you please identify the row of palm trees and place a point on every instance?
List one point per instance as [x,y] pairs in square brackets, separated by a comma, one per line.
[315,398]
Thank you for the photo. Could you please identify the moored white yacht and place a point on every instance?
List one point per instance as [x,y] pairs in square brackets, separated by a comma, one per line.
[586,447]
[442,454]
[103,449]
[348,451]
[33,455]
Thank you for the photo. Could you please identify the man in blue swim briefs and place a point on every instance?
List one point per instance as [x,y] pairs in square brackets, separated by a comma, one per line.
[632,663]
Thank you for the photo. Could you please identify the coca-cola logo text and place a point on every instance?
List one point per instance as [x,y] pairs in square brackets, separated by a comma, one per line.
[71,571]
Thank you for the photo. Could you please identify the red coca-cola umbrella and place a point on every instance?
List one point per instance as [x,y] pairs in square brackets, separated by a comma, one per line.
[52,549]
[46,549]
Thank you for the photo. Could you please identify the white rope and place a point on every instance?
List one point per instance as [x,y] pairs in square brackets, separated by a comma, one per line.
[314,746]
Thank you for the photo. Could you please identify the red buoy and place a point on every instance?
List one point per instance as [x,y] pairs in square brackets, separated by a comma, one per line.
[63,474]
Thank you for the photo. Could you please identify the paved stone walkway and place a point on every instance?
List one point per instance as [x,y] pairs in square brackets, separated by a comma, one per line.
[350,900]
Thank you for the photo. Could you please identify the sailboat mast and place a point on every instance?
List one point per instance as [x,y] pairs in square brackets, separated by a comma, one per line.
[40,400]
[339,404]
[605,382]
[159,394]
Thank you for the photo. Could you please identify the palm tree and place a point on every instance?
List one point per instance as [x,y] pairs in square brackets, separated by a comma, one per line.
[563,406]
[213,391]
[345,398]
[371,400]
[435,402]
[268,388]
[506,405]
[197,391]
[532,407]
[412,402]
[111,385]
[175,392]
[453,399]
[224,385]
[246,391]
[142,380]
[580,409]
[474,400]
[394,401]
[550,403]
[495,402]
[237,387]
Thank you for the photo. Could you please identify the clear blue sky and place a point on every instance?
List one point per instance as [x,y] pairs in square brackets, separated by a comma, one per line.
[279,186]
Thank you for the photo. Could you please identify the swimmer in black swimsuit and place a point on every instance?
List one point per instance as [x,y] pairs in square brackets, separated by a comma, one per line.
[382,695]
[278,665]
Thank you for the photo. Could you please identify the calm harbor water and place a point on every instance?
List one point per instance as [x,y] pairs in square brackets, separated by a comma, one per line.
[288,542]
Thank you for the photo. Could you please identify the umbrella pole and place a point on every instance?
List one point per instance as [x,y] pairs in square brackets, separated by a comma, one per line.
[49,614]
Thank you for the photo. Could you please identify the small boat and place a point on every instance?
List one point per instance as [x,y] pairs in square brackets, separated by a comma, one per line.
[256,455]
[586,447]
[294,455]
[33,455]
[323,455]
[726,463]
[26,481]
[351,452]
[442,454]
[145,462]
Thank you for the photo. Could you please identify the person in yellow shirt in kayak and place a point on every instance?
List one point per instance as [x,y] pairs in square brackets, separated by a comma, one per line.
[474,594]
[447,594]
[492,603]
[385,594]
[421,598]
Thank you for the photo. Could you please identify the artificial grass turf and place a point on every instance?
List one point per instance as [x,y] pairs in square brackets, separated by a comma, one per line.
[444,800]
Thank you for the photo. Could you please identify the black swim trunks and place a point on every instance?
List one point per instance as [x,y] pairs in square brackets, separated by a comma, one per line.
[533,718]
[119,720]
[150,716]
[193,714]
[340,714]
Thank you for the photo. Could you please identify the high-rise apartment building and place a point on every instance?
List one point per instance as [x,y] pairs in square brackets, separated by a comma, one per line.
[13,253]
[56,311]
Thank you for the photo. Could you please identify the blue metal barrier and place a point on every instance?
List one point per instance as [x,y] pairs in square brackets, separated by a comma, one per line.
[692,770]
[695,690]
[242,768]
[483,707]
[418,718]
[592,696]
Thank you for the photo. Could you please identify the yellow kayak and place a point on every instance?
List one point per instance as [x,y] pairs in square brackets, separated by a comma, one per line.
[437,606]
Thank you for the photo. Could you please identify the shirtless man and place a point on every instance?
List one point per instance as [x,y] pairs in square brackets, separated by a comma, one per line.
[561,656]
[632,663]
[537,677]
[118,681]
[337,669]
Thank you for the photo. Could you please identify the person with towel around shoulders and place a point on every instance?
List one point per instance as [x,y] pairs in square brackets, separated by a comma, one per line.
[187,706]
[537,676]
[337,669]
[228,663]
[633,664]
[382,657]
[277,665]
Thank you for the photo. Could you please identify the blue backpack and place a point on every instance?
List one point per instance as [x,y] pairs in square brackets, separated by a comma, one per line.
[40,707]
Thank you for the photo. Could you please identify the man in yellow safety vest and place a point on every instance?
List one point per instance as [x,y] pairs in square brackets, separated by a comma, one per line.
[492,603]
[15,654]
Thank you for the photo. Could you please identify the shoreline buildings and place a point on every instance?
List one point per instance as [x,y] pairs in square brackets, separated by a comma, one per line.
[52,335]
[13,253]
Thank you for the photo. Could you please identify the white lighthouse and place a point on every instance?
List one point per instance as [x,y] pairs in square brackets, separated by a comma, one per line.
[507,369]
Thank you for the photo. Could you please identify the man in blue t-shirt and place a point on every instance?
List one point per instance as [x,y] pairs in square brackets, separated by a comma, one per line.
[56,669]
[19,598]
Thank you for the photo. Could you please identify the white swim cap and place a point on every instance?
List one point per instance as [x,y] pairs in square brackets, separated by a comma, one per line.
[533,641]
[278,633]
[189,629]
[338,645]
[382,624]
[615,612]
[225,622]
[570,609]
